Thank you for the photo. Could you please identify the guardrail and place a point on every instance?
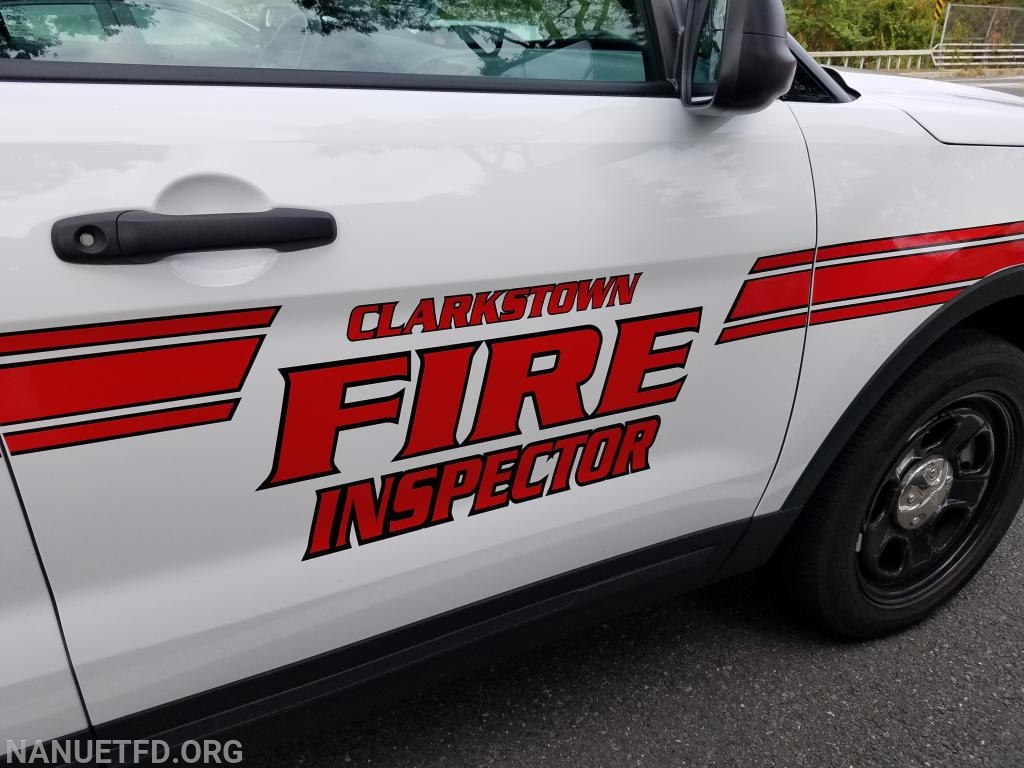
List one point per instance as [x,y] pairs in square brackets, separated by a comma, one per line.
[978,55]
[961,55]
[877,59]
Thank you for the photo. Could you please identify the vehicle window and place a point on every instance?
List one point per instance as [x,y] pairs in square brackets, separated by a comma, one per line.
[599,40]
[169,26]
[38,27]
[806,88]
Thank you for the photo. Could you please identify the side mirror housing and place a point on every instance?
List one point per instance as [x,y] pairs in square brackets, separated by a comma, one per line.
[734,57]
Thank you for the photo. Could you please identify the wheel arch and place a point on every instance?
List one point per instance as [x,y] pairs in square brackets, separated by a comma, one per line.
[990,304]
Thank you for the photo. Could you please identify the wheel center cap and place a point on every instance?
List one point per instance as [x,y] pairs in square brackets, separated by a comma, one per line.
[923,491]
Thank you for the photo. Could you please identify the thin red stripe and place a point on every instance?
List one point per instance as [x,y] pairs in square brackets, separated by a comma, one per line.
[73,385]
[821,316]
[889,244]
[905,273]
[765,295]
[123,426]
[761,328]
[783,260]
[134,330]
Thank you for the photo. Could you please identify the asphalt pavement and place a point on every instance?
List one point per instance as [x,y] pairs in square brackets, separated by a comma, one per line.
[724,677]
[1012,85]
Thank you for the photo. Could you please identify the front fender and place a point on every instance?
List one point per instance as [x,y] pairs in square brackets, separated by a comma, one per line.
[997,289]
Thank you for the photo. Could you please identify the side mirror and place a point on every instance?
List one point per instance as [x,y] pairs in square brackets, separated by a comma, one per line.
[735,56]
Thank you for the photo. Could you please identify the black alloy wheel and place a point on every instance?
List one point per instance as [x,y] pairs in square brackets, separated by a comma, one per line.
[921,495]
[933,503]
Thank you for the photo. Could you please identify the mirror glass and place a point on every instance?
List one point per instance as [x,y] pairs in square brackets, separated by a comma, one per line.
[708,61]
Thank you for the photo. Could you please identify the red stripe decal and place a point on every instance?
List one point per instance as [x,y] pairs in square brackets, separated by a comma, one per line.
[134,330]
[779,293]
[762,328]
[949,237]
[119,426]
[872,308]
[866,279]
[783,260]
[88,383]
[906,273]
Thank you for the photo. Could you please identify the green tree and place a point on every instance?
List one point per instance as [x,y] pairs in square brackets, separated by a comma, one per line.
[843,25]
[824,25]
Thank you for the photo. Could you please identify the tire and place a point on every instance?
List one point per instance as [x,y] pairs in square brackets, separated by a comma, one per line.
[933,472]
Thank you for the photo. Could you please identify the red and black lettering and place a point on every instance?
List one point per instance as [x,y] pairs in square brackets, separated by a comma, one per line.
[378,321]
[317,408]
[635,357]
[513,376]
[548,370]
[366,511]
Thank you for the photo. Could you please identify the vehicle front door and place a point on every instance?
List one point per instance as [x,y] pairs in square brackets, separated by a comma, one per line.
[510,362]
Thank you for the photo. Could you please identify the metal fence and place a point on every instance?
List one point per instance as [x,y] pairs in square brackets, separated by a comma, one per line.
[942,56]
[993,25]
[969,55]
[877,59]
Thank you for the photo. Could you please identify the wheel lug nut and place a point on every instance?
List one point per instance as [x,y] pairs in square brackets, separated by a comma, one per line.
[915,522]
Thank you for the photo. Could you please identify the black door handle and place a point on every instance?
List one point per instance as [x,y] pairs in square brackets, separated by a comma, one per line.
[139,237]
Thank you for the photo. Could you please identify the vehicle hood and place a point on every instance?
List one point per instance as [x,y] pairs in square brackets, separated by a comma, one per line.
[953,113]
